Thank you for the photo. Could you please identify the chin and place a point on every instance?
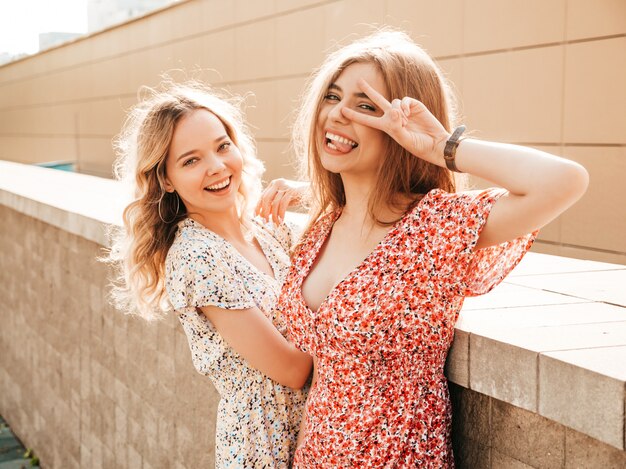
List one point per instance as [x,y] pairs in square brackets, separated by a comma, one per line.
[332,164]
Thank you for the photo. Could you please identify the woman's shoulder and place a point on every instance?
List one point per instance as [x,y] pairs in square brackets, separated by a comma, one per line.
[441,208]
[319,228]
[282,233]
[439,197]
[193,240]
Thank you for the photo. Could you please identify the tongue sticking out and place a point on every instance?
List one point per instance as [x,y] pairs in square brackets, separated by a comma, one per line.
[342,147]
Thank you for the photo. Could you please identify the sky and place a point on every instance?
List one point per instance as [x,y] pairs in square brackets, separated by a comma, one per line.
[21,21]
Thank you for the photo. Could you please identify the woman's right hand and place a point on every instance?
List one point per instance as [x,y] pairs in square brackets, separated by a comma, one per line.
[408,121]
[279,195]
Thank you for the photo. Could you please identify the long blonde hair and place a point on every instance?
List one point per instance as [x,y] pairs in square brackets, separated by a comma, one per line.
[139,248]
[407,70]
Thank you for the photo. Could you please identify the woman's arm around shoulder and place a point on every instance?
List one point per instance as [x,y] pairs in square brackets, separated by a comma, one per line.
[304,420]
[253,336]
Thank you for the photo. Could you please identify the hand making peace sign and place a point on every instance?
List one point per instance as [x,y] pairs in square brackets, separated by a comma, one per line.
[407,121]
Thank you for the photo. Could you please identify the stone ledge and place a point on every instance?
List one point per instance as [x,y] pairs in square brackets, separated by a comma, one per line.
[78,203]
[551,339]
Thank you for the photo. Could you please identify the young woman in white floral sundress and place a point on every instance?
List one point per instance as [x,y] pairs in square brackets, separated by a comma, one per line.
[189,244]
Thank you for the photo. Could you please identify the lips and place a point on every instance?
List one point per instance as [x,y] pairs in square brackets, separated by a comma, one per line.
[340,143]
[221,185]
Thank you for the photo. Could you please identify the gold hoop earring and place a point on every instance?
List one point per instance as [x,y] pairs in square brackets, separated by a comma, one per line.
[177,208]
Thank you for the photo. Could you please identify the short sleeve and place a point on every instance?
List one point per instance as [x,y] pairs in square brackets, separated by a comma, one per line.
[462,216]
[198,275]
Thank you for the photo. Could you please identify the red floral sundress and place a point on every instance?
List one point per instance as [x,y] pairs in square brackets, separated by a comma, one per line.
[382,334]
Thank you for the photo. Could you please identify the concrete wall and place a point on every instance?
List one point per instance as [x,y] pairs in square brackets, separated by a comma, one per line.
[82,384]
[489,433]
[537,362]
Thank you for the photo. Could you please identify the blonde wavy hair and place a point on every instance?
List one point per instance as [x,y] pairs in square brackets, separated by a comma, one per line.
[407,70]
[140,247]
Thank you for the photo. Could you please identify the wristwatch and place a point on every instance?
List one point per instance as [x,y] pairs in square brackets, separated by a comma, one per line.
[449,151]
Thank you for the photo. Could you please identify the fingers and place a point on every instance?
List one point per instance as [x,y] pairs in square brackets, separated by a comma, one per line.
[279,195]
[363,119]
[265,202]
[270,205]
[374,95]
[393,118]
[264,206]
[397,111]
[279,205]
[406,105]
[275,214]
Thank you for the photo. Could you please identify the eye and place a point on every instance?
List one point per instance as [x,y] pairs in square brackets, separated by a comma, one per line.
[367,107]
[224,146]
[331,97]
[190,161]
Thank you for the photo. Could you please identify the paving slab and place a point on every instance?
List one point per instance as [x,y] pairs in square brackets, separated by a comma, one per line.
[606,286]
[478,321]
[546,264]
[507,295]
[11,449]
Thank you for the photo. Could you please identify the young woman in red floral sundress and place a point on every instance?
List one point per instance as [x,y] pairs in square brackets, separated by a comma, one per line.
[377,281]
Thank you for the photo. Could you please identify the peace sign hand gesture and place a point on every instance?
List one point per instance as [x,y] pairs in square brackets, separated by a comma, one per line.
[407,121]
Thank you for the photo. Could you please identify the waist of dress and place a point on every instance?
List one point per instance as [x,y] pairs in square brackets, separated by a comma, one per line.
[376,367]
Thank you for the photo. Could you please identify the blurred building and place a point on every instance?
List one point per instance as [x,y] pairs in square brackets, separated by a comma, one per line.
[105,13]
[47,40]
[6,57]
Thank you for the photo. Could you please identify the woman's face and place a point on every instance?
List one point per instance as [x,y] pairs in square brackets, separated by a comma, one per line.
[203,165]
[347,147]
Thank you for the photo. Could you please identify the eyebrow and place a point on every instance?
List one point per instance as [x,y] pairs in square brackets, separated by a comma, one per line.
[217,140]
[334,86]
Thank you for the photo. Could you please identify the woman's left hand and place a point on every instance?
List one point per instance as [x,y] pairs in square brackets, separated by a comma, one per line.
[407,121]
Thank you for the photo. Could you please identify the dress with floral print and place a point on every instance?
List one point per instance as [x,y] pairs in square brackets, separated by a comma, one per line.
[382,334]
[257,418]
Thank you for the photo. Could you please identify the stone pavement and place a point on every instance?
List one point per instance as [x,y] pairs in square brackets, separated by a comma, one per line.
[12,451]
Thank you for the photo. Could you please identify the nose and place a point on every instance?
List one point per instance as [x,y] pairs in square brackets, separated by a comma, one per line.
[335,115]
[214,164]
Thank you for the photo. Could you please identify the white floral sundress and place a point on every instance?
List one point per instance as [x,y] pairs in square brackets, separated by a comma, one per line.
[257,418]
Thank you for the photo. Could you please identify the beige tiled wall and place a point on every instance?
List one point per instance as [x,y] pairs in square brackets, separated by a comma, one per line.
[547,74]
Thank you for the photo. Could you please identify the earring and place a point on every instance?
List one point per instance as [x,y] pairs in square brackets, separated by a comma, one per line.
[177,207]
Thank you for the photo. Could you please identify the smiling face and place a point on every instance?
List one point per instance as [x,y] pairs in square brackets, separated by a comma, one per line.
[204,166]
[346,147]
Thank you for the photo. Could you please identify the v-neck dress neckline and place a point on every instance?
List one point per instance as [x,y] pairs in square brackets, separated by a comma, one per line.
[324,236]
[257,235]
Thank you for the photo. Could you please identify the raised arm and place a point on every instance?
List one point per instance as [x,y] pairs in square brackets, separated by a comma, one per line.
[540,185]
[252,335]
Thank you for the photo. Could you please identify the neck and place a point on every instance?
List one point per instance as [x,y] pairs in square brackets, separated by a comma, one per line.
[224,224]
[357,191]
